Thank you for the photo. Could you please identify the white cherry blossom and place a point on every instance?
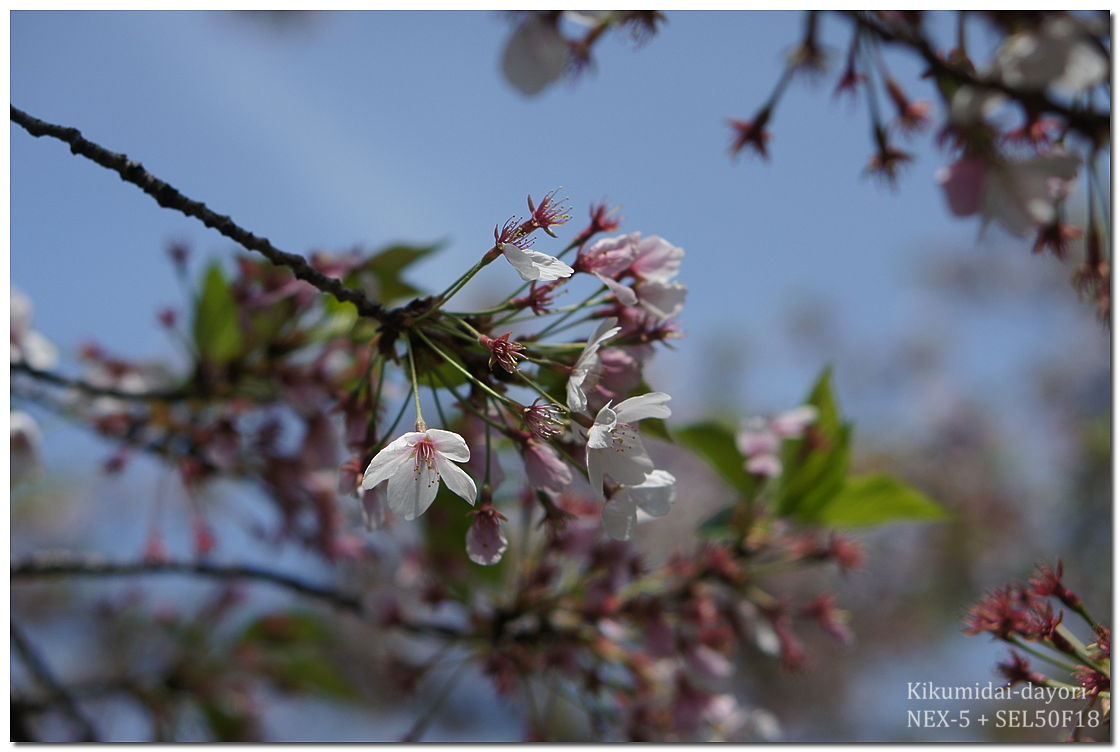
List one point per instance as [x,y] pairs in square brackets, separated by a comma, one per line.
[413,465]
[654,496]
[613,445]
[587,365]
[534,266]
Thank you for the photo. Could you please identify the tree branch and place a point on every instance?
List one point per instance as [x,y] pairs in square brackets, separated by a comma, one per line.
[42,673]
[72,565]
[1091,124]
[167,196]
[170,395]
[68,565]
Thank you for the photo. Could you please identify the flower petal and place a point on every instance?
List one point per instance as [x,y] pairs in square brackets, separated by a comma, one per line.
[650,405]
[657,259]
[535,56]
[388,461]
[450,444]
[656,493]
[413,489]
[457,479]
[620,517]
[485,541]
[534,266]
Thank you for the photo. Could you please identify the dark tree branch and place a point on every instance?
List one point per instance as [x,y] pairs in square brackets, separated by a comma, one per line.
[92,566]
[71,565]
[1092,124]
[170,395]
[167,196]
[43,674]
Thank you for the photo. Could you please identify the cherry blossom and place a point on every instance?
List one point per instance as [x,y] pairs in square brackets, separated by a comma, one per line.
[760,441]
[535,56]
[534,266]
[587,365]
[413,465]
[28,345]
[613,445]
[654,496]
[1019,194]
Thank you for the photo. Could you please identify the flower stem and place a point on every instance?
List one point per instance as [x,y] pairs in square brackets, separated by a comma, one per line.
[1065,666]
[458,367]
[420,425]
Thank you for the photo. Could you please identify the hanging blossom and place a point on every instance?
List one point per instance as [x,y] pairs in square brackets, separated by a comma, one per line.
[26,440]
[761,438]
[534,266]
[586,370]
[656,263]
[485,540]
[654,496]
[28,345]
[613,445]
[413,465]
[1019,194]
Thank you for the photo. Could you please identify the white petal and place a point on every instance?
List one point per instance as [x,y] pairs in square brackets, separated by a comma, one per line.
[626,459]
[577,400]
[534,266]
[595,471]
[625,295]
[535,56]
[457,479]
[388,461]
[620,517]
[451,445]
[657,259]
[413,489]
[650,405]
[663,299]
[656,493]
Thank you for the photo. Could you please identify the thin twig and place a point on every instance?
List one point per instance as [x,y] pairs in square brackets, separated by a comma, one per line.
[1091,124]
[169,197]
[73,565]
[70,565]
[43,674]
[169,395]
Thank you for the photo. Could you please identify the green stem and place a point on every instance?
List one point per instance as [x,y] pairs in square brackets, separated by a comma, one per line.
[1063,665]
[420,425]
[458,367]
[537,388]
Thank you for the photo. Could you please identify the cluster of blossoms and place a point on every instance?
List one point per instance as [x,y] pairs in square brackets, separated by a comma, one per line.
[596,421]
[1016,146]
[1023,615]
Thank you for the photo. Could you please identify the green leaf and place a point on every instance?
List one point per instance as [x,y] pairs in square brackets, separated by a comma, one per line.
[814,466]
[217,332]
[877,498]
[387,268]
[715,443]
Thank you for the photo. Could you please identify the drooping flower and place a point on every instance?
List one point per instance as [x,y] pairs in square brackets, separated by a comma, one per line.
[654,496]
[587,365]
[28,345]
[25,443]
[535,55]
[485,540]
[413,465]
[1021,195]
[534,266]
[613,445]
[545,468]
